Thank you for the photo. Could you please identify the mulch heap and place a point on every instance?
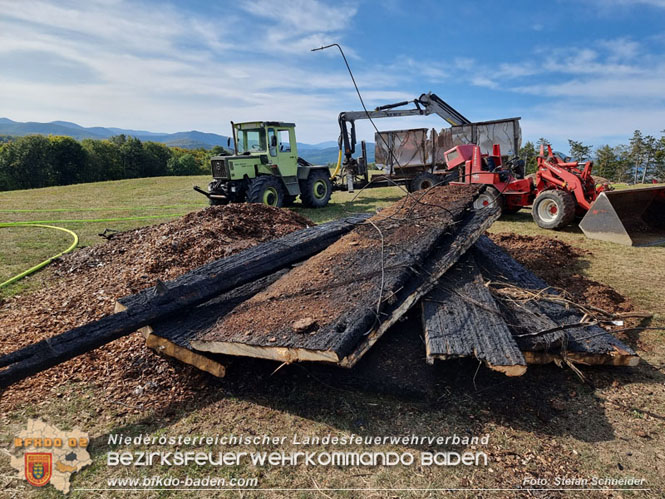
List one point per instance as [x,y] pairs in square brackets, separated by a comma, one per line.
[85,285]
[559,264]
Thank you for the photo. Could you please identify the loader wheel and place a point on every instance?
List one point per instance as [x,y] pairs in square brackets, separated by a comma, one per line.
[553,209]
[489,197]
[266,189]
[315,192]
[425,181]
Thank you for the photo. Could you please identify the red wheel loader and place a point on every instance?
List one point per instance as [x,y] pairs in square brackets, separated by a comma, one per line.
[562,190]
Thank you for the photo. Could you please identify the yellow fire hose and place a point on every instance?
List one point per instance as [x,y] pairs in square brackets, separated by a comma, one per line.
[45,262]
[45,224]
[339,164]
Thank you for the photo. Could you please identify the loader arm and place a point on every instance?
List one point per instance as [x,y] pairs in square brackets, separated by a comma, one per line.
[424,105]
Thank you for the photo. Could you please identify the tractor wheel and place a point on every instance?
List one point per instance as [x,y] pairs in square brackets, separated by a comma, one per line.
[553,209]
[489,197]
[424,181]
[315,192]
[266,189]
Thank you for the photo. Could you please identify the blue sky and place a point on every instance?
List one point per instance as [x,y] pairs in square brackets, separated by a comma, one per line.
[592,70]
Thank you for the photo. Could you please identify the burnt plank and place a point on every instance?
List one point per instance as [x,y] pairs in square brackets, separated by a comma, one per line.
[461,319]
[328,309]
[302,243]
[447,253]
[587,345]
[188,326]
[228,273]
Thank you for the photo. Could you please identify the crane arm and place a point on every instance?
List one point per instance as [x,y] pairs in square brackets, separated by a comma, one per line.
[425,105]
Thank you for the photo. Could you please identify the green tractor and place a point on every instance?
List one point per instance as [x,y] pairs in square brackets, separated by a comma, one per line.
[265,168]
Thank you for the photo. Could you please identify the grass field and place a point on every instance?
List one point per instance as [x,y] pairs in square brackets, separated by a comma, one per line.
[613,425]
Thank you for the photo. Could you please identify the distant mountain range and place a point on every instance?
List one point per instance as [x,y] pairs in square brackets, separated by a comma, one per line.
[324,152]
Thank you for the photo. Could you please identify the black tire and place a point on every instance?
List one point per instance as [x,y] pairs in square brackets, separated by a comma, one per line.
[553,209]
[315,192]
[488,197]
[424,181]
[266,189]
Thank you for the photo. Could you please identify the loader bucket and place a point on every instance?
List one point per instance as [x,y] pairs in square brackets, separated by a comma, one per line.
[633,217]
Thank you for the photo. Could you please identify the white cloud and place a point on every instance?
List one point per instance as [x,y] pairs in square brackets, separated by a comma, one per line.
[624,89]
[303,16]
[483,81]
[595,125]
[297,26]
[167,69]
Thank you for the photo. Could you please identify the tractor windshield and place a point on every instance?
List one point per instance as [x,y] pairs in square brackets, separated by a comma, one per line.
[251,140]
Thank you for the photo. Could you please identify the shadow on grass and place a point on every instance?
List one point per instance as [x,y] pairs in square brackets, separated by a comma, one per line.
[392,391]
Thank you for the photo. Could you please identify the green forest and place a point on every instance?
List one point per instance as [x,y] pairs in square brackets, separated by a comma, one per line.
[41,161]
[642,160]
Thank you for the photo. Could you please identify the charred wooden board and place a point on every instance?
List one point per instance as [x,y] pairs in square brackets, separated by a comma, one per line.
[171,336]
[188,326]
[328,309]
[446,254]
[523,318]
[461,319]
[590,345]
[199,287]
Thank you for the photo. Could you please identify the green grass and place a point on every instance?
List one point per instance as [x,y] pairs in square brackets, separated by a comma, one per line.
[158,199]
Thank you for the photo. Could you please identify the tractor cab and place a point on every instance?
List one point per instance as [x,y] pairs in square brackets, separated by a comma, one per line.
[265,168]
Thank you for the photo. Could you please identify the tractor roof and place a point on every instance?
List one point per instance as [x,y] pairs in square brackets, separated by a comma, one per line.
[267,123]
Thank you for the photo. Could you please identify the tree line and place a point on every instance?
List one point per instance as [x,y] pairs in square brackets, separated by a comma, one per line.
[642,160]
[38,161]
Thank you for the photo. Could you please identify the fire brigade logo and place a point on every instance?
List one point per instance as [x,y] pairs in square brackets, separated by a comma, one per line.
[45,455]
[38,468]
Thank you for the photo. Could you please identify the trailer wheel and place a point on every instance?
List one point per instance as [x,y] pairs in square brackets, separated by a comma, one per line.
[553,209]
[489,197]
[315,192]
[266,189]
[424,181]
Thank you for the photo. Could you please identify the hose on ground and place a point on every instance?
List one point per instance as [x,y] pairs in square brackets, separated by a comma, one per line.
[46,225]
[48,260]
